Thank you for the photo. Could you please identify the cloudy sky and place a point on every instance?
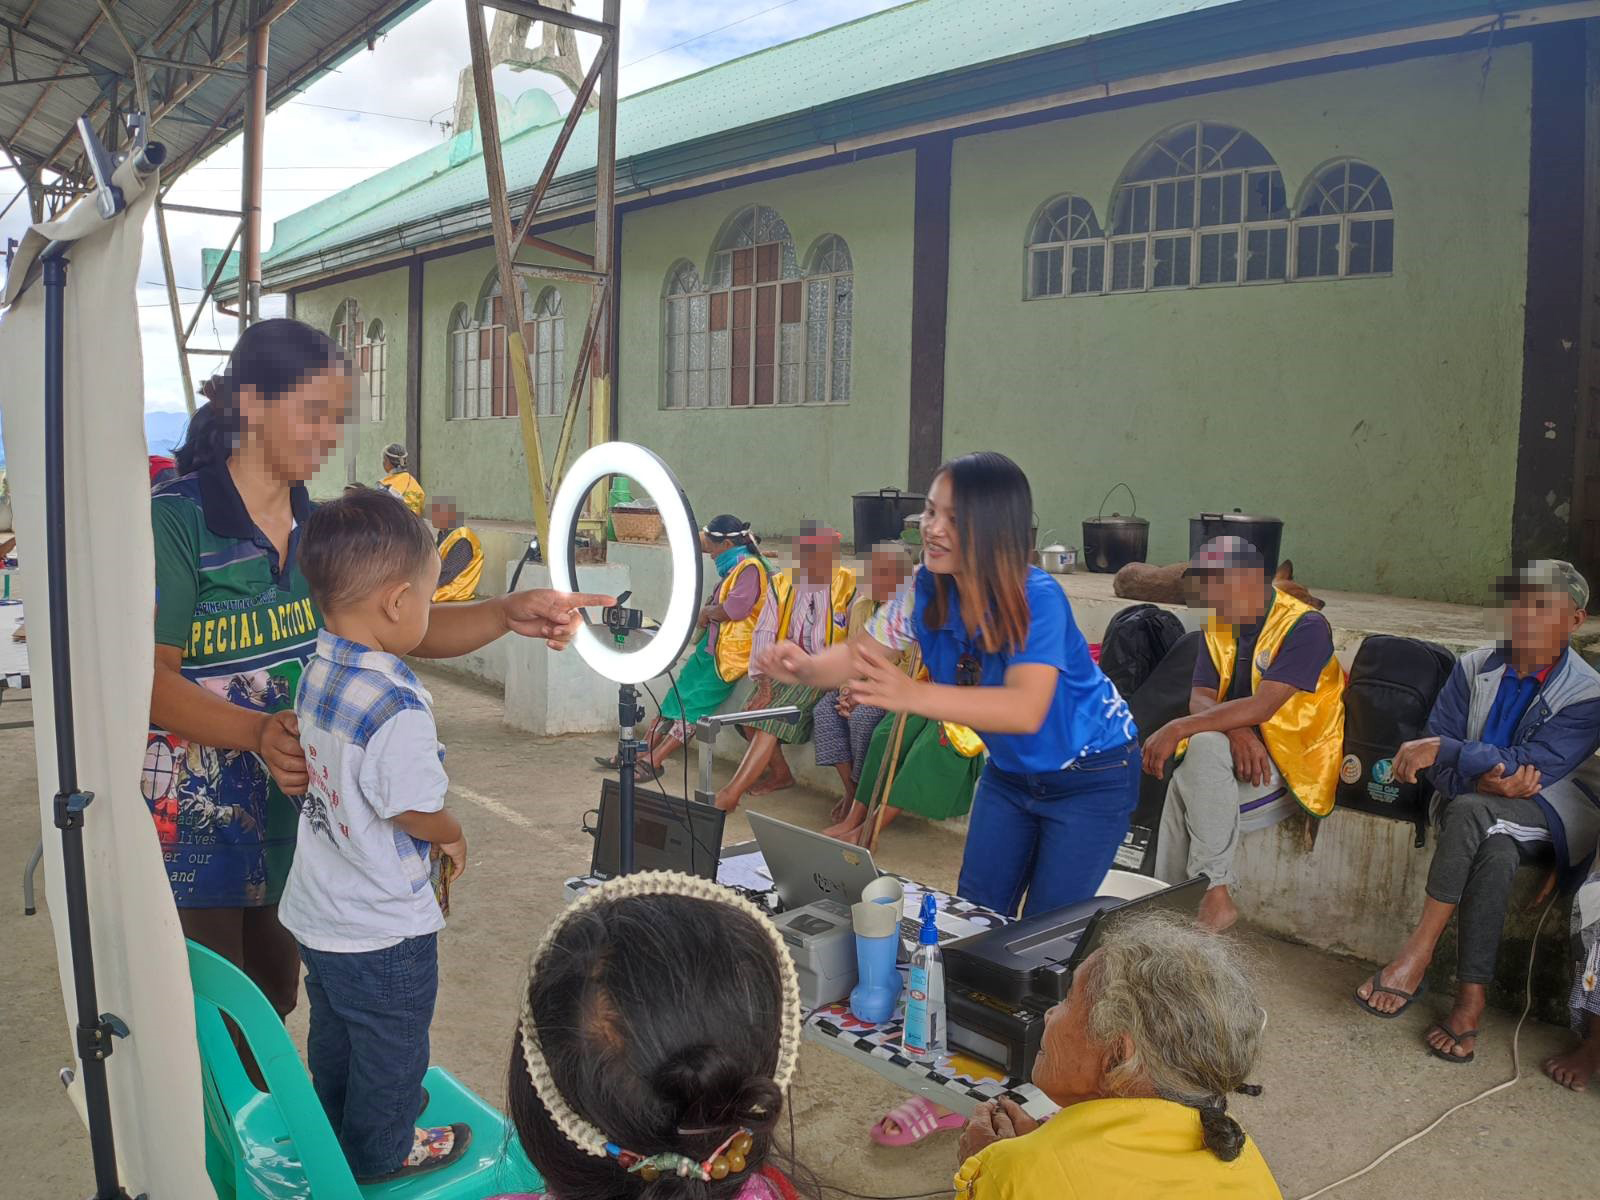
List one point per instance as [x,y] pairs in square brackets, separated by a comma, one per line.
[385,106]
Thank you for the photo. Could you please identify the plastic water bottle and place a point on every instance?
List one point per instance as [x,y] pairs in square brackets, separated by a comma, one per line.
[924,1029]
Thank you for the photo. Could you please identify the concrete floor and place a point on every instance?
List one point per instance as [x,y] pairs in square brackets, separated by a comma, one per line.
[1340,1087]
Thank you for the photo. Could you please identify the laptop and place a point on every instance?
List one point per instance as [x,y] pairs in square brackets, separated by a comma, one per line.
[806,867]
[669,834]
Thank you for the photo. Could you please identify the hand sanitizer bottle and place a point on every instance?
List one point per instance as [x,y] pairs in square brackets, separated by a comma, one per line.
[924,1029]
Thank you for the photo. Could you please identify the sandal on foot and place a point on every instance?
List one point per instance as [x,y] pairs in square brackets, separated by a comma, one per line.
[431,1148]
[1450,1056]
[1378,986]
[915,1119]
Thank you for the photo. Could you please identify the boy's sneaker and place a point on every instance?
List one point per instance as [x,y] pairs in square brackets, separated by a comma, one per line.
[431,1148]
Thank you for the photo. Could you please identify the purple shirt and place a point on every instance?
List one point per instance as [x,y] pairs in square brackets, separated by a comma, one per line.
[1299,661]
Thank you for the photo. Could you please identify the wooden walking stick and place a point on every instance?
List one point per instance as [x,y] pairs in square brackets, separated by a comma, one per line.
[885,782]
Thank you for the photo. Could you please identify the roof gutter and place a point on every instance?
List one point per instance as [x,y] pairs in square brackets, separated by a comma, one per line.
[1091,70]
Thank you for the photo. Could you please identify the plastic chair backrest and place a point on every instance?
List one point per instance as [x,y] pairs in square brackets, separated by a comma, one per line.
[221,988]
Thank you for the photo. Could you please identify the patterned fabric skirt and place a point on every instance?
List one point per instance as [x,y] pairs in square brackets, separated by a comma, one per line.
[845,739]
[700,691]
[776,695]
[1585,1001]
[932,780]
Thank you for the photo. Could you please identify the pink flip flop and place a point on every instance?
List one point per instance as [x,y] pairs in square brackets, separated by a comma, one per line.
[916,1119]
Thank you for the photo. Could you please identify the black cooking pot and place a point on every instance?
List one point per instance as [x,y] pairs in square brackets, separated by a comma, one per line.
[1111,543]
[1264,533]
[880,516]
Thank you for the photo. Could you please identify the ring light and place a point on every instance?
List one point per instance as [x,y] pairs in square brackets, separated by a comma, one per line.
[683,544]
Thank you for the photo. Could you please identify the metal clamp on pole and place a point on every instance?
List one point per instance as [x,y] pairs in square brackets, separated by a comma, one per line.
[707,728]
[69,809]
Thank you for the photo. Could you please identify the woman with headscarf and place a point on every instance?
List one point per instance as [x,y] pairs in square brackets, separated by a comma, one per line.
[400,482]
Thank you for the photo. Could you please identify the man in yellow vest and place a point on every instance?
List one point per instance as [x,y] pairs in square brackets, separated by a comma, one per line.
[460,553]
[1265,729]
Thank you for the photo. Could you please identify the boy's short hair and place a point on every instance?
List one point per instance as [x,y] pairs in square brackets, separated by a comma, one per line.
[356,544]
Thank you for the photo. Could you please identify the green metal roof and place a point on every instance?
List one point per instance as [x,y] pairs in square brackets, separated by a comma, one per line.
[922,61]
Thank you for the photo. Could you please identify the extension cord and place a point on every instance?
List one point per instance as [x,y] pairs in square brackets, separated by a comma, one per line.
[1516,1073]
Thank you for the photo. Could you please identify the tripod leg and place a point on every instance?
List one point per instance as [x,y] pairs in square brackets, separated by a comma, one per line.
[28,907]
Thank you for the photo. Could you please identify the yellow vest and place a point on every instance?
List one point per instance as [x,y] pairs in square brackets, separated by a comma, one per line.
[465,585]
[734,638]
[843,592]
[1305,737]
[407,489]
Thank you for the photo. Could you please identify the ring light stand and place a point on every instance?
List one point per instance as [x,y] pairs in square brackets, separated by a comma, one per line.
[600,644]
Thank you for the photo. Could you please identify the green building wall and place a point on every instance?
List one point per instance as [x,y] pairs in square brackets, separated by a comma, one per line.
[777,466]
[378,297]
[1377,417]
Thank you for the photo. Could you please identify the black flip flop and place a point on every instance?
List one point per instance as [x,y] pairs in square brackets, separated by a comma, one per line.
[1459,1060]
[1378,986]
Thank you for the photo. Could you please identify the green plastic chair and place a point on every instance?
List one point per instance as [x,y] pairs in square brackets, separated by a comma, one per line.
[280,1146]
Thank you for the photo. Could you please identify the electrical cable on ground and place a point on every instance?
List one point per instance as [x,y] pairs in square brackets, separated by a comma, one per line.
[1516,1074]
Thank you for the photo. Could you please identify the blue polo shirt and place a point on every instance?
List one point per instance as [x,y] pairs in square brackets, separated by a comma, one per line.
[1087,716]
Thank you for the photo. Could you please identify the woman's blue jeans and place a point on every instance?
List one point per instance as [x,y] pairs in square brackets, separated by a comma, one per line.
[1052,837]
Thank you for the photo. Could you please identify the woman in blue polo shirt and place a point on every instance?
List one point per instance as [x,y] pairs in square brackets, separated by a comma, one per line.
[1005,658]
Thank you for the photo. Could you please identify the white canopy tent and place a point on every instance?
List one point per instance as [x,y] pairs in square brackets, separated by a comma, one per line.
[140,972]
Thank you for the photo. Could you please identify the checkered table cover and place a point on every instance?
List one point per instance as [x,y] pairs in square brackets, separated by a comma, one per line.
[944,1082]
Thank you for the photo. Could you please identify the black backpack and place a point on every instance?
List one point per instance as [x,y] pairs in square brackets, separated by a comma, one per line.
[1162,697]
[1136,639]
[1393,684]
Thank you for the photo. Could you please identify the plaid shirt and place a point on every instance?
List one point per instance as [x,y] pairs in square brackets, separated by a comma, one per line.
[359,881]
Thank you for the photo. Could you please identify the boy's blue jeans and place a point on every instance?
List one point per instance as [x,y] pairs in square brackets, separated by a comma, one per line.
[1052,836]
[368,1045]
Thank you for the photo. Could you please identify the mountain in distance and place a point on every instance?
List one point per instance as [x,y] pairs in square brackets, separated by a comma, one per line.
[162,431]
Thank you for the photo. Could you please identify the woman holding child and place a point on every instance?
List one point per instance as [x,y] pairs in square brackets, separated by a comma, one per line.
[236,623]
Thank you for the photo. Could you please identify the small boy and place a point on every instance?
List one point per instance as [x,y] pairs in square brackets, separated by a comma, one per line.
[358,899]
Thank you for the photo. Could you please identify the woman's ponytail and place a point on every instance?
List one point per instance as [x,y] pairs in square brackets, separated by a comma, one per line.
[1222,1135]
[213,431]
[272,357]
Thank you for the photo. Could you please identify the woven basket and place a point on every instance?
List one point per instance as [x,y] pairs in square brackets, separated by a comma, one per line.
[638,525]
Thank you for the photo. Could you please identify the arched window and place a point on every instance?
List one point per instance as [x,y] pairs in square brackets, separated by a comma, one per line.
[830,294]
[1201,205]
[480,362]
[372,357]
[687,336]
[346,327]
[1066,250]
[549,351]
[1346,224]
[745,334]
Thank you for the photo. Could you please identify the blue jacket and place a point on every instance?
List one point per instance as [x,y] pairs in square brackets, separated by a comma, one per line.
[1556,736]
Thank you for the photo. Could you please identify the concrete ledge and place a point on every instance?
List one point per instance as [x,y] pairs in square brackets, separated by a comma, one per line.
[1359,890]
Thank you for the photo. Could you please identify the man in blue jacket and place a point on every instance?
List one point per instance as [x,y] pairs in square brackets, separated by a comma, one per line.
[1509,749]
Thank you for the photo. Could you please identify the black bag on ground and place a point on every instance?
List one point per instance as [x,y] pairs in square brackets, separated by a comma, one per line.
[1136,639]
[1162,697]
[1393,684]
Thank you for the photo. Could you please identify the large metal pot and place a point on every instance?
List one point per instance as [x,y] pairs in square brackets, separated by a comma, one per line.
[1264,533]
[1111,543]
[880,516]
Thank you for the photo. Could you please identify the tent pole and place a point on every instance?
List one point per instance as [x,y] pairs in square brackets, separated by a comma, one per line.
[94,1029]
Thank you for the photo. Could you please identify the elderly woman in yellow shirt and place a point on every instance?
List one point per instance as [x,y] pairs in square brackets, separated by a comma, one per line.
[1160,1027]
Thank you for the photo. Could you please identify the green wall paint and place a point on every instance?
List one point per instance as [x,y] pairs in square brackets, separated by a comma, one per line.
[378,297]
[481,462]
[775,466]
[1377,417]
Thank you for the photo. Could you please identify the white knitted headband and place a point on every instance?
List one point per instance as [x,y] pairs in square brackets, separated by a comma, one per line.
[580,1132]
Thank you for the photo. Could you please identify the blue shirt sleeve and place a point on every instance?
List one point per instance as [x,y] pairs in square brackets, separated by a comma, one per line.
[1053,636]
[1205,671]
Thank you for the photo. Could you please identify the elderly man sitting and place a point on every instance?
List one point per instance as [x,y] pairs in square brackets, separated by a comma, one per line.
[1265,728]
[1506,735]
[1160,1027]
